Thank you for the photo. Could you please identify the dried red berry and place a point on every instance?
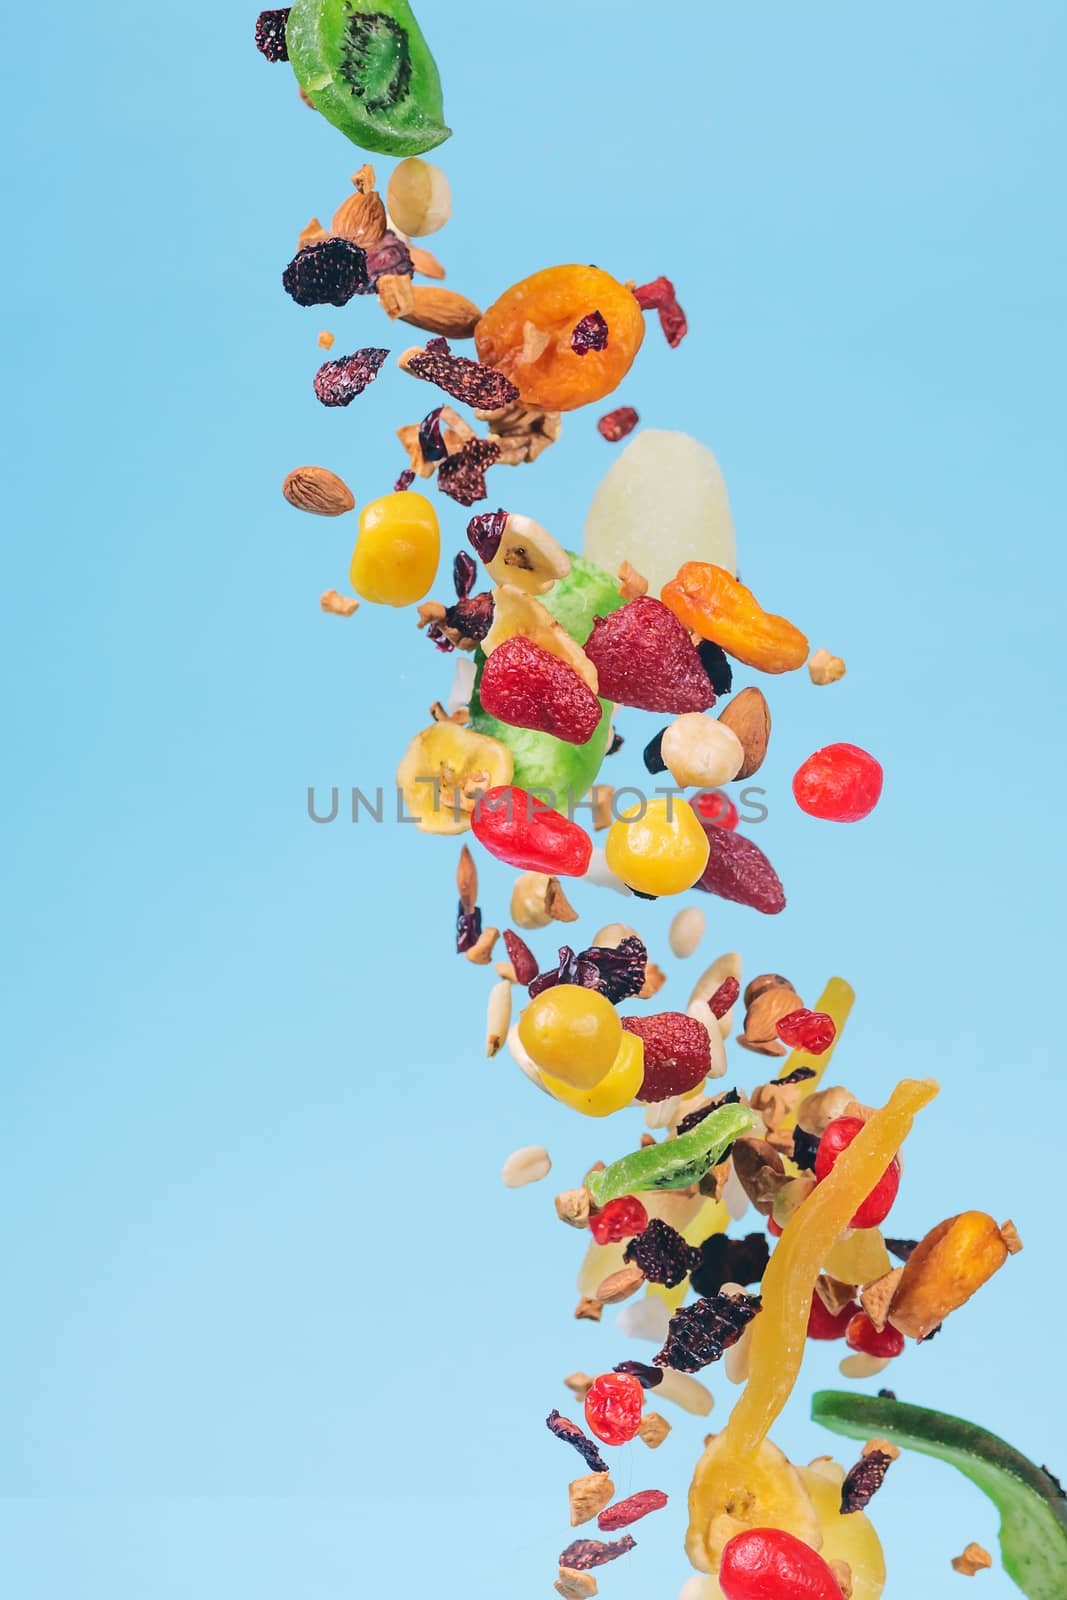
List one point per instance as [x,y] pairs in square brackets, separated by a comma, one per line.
[582,1554]
[824,1324]
[521,957]
[724,1260]
[476,385]
[738,870]
[270,34]
[613,1407]
[712,805]
[811,1031]
[861,1482]
[472,617]
[677,1053]
[617,972]
[464,572]
[839,783]
[468,928]
[862,1335]
[662,1254]
[659,295]
[485,532]
[390,256]
[635,1506]
[570,1433]
[590,334]
[620,1219]
[701,1333]
[405,480]
[724,997]
[615,425]
[326,274]
[462,476]
[431,438]
[647,1377]
[837,1136]
[525,686]
[338,382]
[645,658]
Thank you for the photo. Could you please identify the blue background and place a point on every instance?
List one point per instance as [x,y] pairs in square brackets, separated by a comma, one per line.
[272,1325]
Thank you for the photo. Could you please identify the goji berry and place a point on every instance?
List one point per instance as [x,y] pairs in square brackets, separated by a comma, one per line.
[811,1031]
[724,997]
[839,783]
[824,1324]
[615,425]
[613,1407]
[526,833]
[659,295]
[620,1219]
[635,1506]
[525,686]
[770,1564]
[645,658]
[862,1335]
[837,1137]
[677,1053]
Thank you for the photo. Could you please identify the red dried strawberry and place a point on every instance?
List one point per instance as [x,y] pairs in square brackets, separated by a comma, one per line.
[526,687]
[738,870]
[645,658]
[677,1053]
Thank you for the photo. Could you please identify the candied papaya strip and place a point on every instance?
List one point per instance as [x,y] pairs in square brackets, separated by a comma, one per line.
[677,1163]
[779,1332]
[1033,1510]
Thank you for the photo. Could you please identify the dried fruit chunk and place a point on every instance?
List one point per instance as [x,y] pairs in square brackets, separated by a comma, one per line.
[763,1562]
[615,425]
[270,34]
[573,1033]
[518,551]
[662,1254]
[944,1270]
[702,1332]
[738,870]
[851,1538]
[635,1506]
[659,295]
[586,1553]
[615,1089]
[645,658]
[613,1407]
[516,612]
[718,607]
[328,273]
[518,828]
[677,1053]
[839,783]
[761,1489]
[338,382]
[366,66]
[657,847]
[677,1163]
[444,769]
[527,335]
[570,1433]
[524,685]
[472,382]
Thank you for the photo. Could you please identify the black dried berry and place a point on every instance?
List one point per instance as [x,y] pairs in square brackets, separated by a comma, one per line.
[701,1333]
[270,34]
[694,1118]
[569,1431]
[464,572]
[586,1553]
[431,439]
[617,742]
[799,1075]
[617,973]
[805,1148]
[326,274]
[468,928]
[652,754]
[338,382]
[724,1260]
[901,1248]
[662,1254]
[716,664]
[863,1481]
[648,1377]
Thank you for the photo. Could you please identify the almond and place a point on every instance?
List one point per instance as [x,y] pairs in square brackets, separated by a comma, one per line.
[395,294]
[318,490]
[749,716]
[426,263]
[360,218]
[442,311]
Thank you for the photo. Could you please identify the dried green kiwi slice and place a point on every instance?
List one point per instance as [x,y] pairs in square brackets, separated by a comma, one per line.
[366,66]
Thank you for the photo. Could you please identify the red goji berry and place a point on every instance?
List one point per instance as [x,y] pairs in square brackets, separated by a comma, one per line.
[724,997]
[615,425]
[630,1510]
[613,1407]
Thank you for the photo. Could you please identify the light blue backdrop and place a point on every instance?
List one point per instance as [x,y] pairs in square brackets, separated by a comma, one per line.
[271,1325]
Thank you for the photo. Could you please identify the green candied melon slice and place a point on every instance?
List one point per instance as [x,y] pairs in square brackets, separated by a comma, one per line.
[541,761]
[1033,1510]
[366,66]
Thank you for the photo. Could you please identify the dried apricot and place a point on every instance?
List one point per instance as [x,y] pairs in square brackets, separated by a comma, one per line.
[528,336]
[706,598]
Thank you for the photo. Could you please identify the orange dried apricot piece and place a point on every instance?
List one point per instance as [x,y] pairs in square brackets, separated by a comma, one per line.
[527,336]
[707,599]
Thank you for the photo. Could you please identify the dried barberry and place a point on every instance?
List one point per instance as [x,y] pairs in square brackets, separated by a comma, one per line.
[615,425]
[464,379]
[617,973]
[389,258]
[570,1433]
[326,274]
[724,997]
[716,664]
[701,1333]
[590,334]
[677,1053]
[635,1506]
[659,295]
[468,928]
[270,34]
[405,480]
[338,382]
[863,1481]
[724,1260]
[462,476]
[645,658]
[431,438]
[738,870]
[464,572]
[485,532]
[901,1248]
[652,754]
[648,1377]
[521,957]
[662,1254]
[471,617]
[693,1119]
[586,1553]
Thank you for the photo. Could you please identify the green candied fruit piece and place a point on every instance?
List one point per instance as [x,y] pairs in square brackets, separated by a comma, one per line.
[542,762]
[1033,1510]
[676,1163]
[366,66]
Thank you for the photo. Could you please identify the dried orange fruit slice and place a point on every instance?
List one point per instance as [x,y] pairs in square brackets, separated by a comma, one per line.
[708,599]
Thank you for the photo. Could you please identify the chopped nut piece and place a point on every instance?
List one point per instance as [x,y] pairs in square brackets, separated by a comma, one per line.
[467,879]
[877,1297]
[338,605]
[973,1560]
[603,794]
[816,1113]
[505,970]
[498,1018]
[588,1496]
[314,233]
[655,978]
[883,1447]
[522,432]
[481,953]
[574,1585]
[834,1295]
[1010,1234]
[395,294]
[557,905]
[528,1165]
[529,900]
[431,611]
[588,1309]
[842,1577]
[776,1102]
[619,1286]
[326,340]
[647,1139]
[579,1383]
[573,1207]
[632,586]
[825,668]
[760,1172]
[653,1430]
[535,341]
[687,930]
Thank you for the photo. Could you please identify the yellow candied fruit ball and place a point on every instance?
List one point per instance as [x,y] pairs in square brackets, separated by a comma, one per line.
[397,551]
[658,846]
[615,1090]
[571,1033]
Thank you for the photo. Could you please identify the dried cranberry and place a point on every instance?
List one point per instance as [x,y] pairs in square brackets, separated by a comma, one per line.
[716,664]
[862,1335]
[613,1407]
[617,972]
[635,1506]
[405,480]
[861,1482]
[583,1554]
[677,1053]
[840,783]
[724,997]
[645,658]
[521,957]
[326,274]
[662,1254]
[837,1136]
[824,1324]
[468,928]
[590,334]
[469,381]
[270,34]
[462,476]
[738,870]
[712,805]
[338,382]
[620,1219]
[464,572]
[390,257]
[526,686]
[431,439]
[485,532]
[615,425]
[440,640]
[570,1433]
[659,295]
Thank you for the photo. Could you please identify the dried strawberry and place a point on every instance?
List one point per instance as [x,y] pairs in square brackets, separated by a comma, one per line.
[338,382]
[662,1254]
[462,476]
[521,957]
[677,1053]
[615,425]
[326,274]
[590,334]
[635,1506]
[476,385]
[270,35]
[863,1481]
[738,870]
[724,997]
[525,686]
[659,295]
[645,658]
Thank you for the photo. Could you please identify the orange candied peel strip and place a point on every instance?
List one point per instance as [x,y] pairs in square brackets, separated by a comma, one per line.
[779,1332]
[706,598]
